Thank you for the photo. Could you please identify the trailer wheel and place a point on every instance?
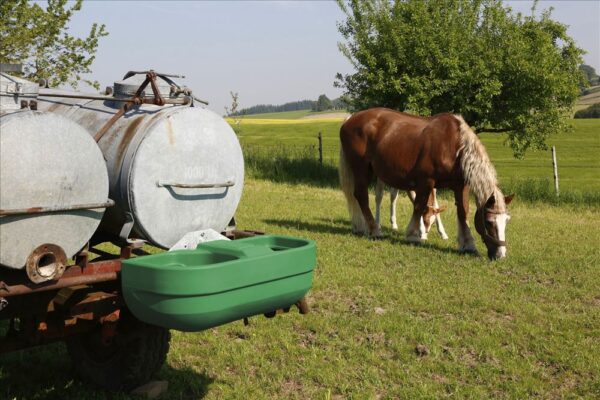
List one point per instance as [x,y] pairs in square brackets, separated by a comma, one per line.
[137,352]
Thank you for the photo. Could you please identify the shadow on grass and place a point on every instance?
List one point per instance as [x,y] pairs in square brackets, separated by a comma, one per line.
[47,373]
[309,226]
[333,227]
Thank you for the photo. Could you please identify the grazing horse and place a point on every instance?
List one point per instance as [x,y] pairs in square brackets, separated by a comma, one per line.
[430,217]
[409,152]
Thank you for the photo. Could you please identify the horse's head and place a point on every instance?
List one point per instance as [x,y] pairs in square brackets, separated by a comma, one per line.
[490,221]
[429,216]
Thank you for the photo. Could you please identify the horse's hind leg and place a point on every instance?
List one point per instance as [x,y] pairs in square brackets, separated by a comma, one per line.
[379,189]
[361,193]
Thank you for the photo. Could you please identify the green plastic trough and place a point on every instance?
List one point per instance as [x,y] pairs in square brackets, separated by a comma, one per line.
[219,282]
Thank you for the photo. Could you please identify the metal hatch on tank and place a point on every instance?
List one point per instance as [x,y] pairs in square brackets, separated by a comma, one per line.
[173,168]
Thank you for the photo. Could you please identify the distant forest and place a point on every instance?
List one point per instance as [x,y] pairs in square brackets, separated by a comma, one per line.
[323,104]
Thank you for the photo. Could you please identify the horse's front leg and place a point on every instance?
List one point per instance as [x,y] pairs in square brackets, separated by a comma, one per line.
[466,243]
[422,228]
[415,232]
[379,189]
[393,201]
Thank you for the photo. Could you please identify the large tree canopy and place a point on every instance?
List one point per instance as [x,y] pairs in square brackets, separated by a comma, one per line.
[502,71]
[38,38]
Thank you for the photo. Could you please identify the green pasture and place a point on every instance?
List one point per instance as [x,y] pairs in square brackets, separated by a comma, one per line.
[280,115]
[291,114]
[577,151]
[388,319]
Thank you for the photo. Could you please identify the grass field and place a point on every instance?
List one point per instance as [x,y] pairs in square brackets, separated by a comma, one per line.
[389,319]
[292,115]
[527,326]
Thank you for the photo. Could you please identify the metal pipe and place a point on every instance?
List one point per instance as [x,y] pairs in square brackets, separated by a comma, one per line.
[147,100]
[50,209]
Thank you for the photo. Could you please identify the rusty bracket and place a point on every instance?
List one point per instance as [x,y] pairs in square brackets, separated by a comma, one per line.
[135,100]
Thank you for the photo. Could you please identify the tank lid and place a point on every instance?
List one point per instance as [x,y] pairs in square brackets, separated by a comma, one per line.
[128,87]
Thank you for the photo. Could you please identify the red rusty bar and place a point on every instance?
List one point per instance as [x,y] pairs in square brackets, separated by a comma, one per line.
[83,279]
[93,268]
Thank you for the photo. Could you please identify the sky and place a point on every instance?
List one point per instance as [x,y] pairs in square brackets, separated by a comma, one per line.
[269,52]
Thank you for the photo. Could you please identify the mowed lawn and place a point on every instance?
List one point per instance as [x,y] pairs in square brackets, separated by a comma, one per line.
[577,151]
[389,319]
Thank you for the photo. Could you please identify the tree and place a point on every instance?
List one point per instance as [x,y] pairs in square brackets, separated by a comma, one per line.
[590,75]
[38,38]
[323,103]
[502,71]
[232,112]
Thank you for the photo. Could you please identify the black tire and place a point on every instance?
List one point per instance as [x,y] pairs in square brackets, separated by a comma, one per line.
[136,353]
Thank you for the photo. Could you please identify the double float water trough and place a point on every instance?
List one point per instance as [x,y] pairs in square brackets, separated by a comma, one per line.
[219,281]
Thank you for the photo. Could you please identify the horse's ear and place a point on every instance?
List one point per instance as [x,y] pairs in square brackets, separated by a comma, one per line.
[508,199]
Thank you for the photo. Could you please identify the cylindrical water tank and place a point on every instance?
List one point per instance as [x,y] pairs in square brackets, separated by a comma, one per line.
[172,169]
[53,190]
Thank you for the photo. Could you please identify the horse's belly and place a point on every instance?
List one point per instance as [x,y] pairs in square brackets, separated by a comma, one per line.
[393,176]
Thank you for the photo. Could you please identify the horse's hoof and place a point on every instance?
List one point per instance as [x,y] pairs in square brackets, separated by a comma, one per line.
[472,252]
[413,239]
[359,232]
[445,237]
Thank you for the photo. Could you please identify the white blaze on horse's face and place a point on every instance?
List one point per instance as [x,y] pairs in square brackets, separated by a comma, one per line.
[501,222]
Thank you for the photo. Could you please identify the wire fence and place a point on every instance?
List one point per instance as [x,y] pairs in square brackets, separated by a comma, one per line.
[331,154]
[306,163]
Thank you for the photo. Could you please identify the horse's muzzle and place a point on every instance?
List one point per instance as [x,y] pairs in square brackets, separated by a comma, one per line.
[497,253]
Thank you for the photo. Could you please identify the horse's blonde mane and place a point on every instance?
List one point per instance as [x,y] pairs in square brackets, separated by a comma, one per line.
[478,171]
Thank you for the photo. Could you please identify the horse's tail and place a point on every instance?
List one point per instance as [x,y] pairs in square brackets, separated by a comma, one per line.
[347,184]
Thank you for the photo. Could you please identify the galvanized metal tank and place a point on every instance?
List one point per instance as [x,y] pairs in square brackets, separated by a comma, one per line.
[172,169]
[53,184]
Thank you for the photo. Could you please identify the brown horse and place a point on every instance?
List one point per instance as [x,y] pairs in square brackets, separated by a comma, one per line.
[409,152]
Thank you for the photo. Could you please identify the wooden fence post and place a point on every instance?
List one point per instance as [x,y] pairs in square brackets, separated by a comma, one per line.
[320,148]
[555,166]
